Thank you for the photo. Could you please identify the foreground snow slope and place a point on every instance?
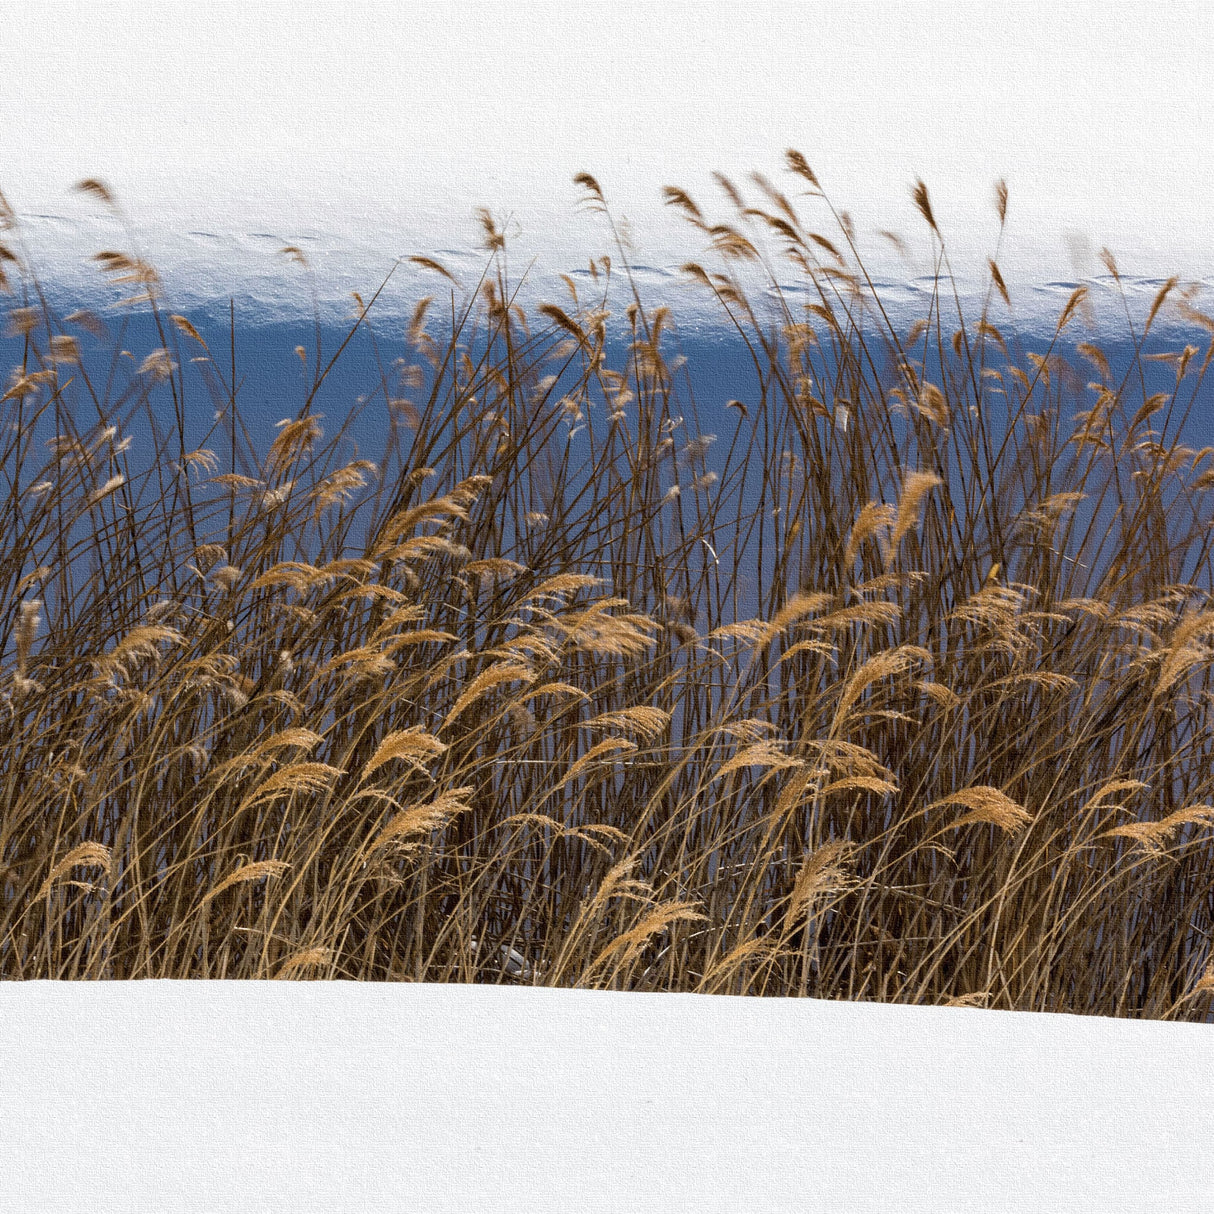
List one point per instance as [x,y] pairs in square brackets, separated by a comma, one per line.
[176,1096]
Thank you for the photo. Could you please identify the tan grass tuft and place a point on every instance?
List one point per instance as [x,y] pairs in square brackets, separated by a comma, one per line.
[598,632]
[675,197]
[103,491]
[563,321]
[142,644]
[308,958]
[487,681]
[872,517]
[429,263]
[1110,788]
[590,185]
[414,745]
[933,404]
[83,855]
[757,949]
[765,754]
[424,819]
[1186,650]
[1158,302]
[886,664]
[188,329]
[309,778]
[608,748]
[825,870]
[294,439]
[255,871]
[987,805]
[645,721]
[870,784]
[969,999]
[629,945]
[797,608]
[296,738]
[997,279]
[1154,835]
[97,189]
[158,365]
[1001,200]
[797,164]
[924,205]
[915,487]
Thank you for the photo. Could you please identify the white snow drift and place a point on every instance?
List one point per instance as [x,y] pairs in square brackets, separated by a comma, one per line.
[362,133]
[146,1097]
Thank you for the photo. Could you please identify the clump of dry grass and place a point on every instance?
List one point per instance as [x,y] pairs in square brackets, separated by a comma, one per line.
[906,698]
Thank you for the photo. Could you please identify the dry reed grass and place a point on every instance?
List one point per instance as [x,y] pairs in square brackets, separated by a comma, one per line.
[907,698]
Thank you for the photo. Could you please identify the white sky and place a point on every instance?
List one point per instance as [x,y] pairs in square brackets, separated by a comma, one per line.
[145,1097]
[375,129]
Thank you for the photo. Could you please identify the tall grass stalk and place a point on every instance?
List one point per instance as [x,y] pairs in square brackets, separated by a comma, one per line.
[899,691]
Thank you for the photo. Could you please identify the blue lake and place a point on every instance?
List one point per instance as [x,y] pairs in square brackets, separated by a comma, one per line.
[273,382]
[363,372]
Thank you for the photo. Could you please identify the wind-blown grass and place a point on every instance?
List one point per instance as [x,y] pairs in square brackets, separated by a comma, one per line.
[899,691]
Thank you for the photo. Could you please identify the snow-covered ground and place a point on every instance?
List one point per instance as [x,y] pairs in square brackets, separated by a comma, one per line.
[327,1097]
[365,132]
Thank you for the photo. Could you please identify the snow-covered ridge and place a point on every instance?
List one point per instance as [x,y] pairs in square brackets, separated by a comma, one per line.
[363,134]
[334,1096]
[203,267]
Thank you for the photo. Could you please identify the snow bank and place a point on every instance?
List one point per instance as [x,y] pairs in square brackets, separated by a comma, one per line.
[364,133]
[191,1097]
